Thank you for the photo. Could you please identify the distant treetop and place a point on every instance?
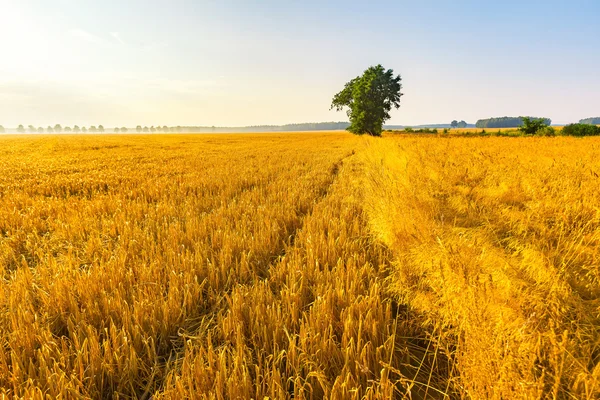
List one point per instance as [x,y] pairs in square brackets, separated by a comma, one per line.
[590,121]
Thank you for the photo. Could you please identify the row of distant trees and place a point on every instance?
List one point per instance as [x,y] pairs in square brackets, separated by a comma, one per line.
[59,129]
[185,129]
[92,129]
[154,129]
[506,122]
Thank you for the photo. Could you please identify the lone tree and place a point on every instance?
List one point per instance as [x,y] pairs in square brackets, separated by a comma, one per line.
[454,124]
[370,99]
[21,129]
[531,126]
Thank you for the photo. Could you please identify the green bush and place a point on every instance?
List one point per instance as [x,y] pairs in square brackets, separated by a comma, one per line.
[546,131]
[532,126]
[581,130]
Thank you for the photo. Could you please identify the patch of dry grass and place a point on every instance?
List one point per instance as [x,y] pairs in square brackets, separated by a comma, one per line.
[299,266]
[497,243]
[195,267]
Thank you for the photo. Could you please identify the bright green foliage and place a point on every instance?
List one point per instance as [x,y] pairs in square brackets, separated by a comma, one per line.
[546,131]
[370,99]
[531,126]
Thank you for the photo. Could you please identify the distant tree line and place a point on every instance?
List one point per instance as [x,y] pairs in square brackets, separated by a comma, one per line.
[57,129]
[153,129]
[313,126]
[505,122]
[590,121]
[318,126]
[455,124]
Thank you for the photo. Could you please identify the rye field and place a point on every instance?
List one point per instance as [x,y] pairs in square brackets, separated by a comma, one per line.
[304,265]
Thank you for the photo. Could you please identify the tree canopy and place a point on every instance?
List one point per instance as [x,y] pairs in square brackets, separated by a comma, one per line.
[369,98]
[531,126]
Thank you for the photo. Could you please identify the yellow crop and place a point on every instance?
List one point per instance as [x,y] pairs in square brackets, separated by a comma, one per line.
[314,265]
[496,246]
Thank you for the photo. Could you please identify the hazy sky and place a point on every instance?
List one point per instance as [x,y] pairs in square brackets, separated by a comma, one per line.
[232,63]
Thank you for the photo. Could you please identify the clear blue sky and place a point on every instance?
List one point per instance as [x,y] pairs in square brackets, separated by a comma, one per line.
[232,63]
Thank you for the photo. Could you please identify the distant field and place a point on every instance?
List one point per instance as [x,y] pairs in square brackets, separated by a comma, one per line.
[299,265]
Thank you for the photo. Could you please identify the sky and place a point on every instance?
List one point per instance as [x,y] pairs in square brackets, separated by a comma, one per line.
[238,63]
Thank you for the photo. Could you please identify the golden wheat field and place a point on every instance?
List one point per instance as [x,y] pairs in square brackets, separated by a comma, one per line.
[306,266]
